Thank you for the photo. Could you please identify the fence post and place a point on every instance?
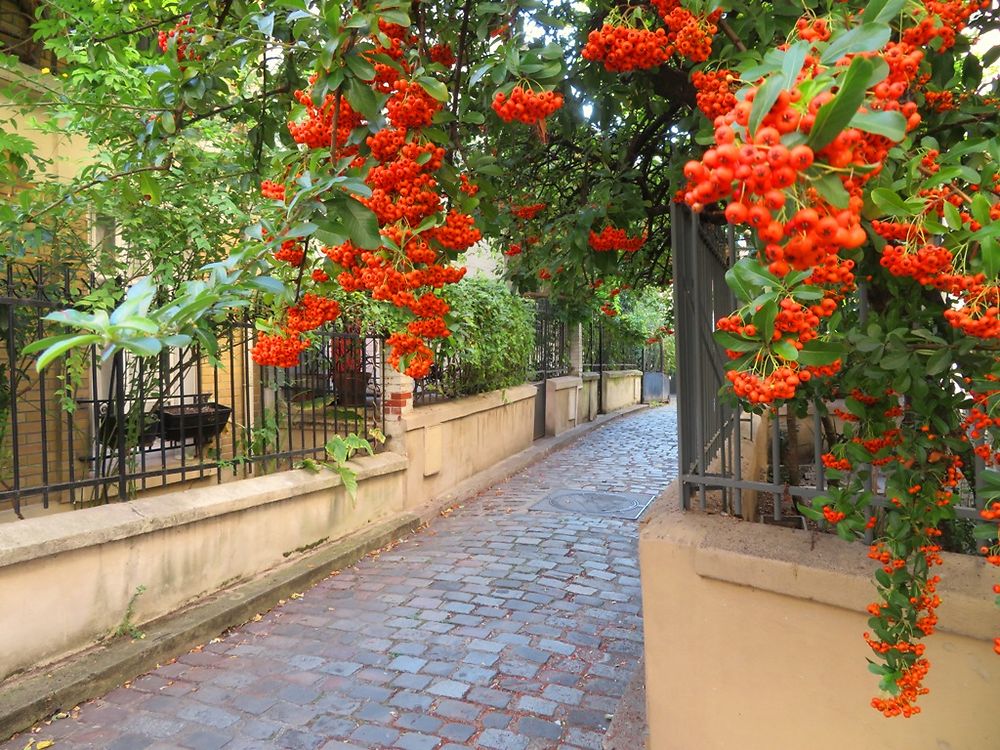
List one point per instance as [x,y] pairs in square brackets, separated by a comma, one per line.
[576,349]
[398,401]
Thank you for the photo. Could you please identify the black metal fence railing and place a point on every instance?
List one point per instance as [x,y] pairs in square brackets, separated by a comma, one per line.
[87,431]
[550,358]
[731,460]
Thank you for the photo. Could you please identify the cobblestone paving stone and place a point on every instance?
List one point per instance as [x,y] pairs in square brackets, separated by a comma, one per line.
[495,627]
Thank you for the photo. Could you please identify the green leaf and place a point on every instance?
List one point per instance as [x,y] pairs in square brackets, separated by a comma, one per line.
[882,11]
[765,98]
[728,341]
[837,113]
[144,347]
[864,38]
[985,531]
[360,67]
[791,64]
[889,202]
[991,256]
[890,124]
[361,225]
[58,349]
[434,87]
[362,99]
[786,350]
[764,318]
[149,185]
[832,189]
[817,353]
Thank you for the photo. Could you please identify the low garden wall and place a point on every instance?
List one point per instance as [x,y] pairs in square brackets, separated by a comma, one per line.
[622,388]
[589,405]
[753,640]
[448,442]
[67,580]
[562,404]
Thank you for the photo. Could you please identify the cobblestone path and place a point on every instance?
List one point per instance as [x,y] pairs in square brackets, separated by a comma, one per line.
[496,627]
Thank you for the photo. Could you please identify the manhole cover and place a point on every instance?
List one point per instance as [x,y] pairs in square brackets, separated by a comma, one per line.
[589,502]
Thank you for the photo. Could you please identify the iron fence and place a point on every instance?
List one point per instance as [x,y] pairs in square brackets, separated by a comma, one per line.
[550,357]
[452,376]
[758,466]
[88,431]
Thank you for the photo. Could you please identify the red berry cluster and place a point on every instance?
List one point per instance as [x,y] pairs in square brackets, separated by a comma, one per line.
[715,95]
[400,168]
[528,212]
[183,30]
[527,106]
[273,190]
[316,131]
[622,48]
[442,54]
[611,238]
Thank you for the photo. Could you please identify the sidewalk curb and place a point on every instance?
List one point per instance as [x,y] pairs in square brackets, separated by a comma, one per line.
[38,696]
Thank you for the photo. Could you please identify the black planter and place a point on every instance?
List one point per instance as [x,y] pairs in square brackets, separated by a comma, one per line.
[197,422]
[350,388]
[108,430]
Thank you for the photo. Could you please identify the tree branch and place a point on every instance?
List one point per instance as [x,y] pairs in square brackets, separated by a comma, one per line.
[731,35]
[241,103]
[459,62]
[86,186]
[137,29]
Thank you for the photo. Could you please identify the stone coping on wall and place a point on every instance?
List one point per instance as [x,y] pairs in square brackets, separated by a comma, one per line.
[425,416]
[22,541]
[590,376]
[814,566]
[563,382]
[616,374]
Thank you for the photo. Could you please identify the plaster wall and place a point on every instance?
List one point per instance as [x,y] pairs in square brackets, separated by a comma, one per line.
[622,388]
[753,640]
[66,580]
[448,442]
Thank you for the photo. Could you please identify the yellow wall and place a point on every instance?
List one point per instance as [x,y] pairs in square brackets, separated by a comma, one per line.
[753,641]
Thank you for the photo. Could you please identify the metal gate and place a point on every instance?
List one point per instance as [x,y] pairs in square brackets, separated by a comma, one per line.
[549,359]
[706,426]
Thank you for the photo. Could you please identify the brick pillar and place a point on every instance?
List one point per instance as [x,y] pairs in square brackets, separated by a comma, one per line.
[398,402]
[574,333]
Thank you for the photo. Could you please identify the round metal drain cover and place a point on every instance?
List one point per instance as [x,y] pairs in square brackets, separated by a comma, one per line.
[588,502]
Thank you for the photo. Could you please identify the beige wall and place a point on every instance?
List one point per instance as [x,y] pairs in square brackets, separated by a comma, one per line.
[589,406]
[66,580]
[622,388]
[562,404]
[449,442]
[753,641]
[68,155]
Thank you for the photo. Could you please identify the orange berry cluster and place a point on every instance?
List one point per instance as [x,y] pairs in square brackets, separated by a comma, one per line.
[292,252]
[942,20]
[316,131]
[529,211]
[273,190]
[611,238]
[623,48]
[180,31]
[278,351]
[399,167]
[442,54]
[526,105]
[715,95]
